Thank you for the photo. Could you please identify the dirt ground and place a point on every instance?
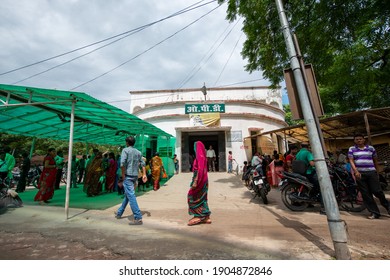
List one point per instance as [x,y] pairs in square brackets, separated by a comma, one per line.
[242,228]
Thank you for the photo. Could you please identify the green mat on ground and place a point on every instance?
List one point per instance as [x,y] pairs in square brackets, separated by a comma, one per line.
[78,199]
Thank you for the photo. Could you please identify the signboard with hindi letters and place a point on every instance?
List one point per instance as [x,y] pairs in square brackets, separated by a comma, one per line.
[204,108]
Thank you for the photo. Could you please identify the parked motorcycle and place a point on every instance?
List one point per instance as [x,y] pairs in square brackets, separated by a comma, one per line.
[248,176]
[259,184]
[383,182]
[32,177]
[297,192]
[384,176]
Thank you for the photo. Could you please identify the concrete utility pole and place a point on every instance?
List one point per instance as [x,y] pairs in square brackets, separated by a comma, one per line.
[336,225]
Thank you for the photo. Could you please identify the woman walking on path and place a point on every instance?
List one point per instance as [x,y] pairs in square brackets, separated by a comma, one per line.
[47,178]
[197,195]
[156,167]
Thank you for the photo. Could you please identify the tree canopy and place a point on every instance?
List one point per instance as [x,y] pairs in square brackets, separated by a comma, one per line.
[346,41]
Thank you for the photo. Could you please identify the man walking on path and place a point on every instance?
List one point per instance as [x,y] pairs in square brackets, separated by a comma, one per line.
[364,164]
[131,160]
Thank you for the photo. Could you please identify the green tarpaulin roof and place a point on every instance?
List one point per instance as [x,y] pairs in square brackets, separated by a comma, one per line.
[46,113]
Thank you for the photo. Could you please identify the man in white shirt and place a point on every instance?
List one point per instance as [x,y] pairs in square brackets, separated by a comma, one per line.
[211,158]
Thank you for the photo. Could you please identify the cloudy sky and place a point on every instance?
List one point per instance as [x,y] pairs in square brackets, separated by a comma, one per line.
[107,48]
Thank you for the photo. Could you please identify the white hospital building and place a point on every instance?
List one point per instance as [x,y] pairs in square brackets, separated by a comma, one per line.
[224,118]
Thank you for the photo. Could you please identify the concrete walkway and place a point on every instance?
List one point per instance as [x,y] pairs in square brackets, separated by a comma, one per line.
[242,227]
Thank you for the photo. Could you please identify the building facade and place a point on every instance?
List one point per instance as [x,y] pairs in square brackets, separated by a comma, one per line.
[224,118]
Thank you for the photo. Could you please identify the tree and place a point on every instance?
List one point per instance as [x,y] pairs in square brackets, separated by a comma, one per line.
[288,116]
[346,41]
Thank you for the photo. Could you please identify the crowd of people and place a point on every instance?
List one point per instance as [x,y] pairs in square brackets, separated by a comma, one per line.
[361,161]
[105,172]
[98,173]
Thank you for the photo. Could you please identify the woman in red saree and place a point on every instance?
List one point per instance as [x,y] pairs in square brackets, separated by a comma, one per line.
[197,195]
[111,172]
[47,178]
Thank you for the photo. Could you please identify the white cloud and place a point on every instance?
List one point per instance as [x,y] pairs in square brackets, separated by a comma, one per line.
[36,30]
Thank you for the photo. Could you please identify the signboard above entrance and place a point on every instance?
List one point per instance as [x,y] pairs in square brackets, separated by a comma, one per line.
[204,108]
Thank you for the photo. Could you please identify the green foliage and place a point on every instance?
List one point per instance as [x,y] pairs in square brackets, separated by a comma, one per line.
[347,41]
[288,117]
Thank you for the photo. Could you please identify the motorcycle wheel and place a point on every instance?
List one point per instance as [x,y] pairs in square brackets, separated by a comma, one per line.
[263,195]
[353,203]
[250,185]
[289,201]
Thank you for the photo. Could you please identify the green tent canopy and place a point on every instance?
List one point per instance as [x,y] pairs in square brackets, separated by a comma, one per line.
[66,115]
[46,113]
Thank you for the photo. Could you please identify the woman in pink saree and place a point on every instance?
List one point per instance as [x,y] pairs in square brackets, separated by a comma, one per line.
[276,168]
[197,195]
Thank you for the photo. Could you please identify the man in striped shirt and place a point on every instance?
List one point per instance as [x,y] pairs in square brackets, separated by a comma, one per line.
[364,164]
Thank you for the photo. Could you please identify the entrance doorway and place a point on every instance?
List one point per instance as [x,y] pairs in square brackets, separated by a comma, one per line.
[213,138]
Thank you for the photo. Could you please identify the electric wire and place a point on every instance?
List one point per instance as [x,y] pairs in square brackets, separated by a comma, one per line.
[211,55]
[189,75]
[145,51]
[179,93]
[122,35]
[227,61]
[240,83]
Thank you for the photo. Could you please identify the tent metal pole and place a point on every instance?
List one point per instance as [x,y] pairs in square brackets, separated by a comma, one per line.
[32,147]
[143,140]
[70,153]
[86,148]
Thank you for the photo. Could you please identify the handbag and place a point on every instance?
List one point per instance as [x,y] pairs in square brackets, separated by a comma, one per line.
[164,175]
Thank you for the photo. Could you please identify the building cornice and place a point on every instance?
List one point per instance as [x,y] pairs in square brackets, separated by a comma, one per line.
[203,128]
[235,101]
[223,116]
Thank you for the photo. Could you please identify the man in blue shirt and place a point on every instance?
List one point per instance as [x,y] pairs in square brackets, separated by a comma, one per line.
[131,160]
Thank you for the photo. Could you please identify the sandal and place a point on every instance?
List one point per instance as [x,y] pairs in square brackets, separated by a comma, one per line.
[206,220]
[195,221]
[199,220]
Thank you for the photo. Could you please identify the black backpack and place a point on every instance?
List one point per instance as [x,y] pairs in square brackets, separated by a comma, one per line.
[299,166]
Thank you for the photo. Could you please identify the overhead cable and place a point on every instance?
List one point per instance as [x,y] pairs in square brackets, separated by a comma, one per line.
[122,35]
[145,51]
[209,57]
[227,61]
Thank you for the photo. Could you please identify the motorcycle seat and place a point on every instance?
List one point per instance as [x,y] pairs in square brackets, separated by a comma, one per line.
[296,175]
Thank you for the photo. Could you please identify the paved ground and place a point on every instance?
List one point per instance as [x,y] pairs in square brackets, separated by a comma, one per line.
[242,228]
